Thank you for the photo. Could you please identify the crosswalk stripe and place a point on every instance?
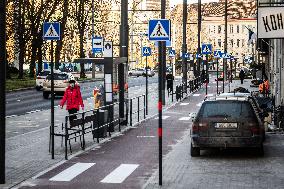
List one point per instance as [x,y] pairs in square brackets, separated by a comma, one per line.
[196,95]
[71,172]
[210,95]
[184,118]
[163,117]
[120,173]
[184,104]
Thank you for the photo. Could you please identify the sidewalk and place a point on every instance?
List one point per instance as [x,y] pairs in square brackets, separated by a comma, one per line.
[222,169]
[28,139]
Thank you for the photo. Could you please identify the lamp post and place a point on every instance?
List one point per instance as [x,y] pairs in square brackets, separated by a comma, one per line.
[184,46]
[199,36]
[225,45]
[2,88]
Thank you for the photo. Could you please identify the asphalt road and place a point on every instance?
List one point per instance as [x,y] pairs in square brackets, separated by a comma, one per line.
[22,102]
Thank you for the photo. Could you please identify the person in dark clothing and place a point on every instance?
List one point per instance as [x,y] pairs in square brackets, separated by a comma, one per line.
[203,77]
[242,76]
[170,79]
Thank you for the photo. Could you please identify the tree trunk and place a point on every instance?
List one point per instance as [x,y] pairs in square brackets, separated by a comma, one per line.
[33,58]
[39,54]
[82,54]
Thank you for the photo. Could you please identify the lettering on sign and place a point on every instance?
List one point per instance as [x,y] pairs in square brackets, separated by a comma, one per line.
[270,22]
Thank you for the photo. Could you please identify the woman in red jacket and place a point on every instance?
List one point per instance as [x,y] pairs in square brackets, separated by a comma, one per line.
[74,99]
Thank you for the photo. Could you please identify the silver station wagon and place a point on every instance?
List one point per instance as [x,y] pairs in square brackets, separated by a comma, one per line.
[227,122]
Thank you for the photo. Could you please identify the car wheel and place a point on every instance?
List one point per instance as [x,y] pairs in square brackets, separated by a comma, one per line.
[45,95]
[130,74]
[194,151]
[38,88]
[260,150]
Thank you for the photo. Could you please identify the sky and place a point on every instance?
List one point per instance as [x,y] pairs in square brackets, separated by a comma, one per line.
[175,2]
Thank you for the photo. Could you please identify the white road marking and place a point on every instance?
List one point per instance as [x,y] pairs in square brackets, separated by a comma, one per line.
[184,104]
[196,95]
[145,136]
[210,94]
[199,104]
[184,118]
[163,117]
[120,173]
[72,172]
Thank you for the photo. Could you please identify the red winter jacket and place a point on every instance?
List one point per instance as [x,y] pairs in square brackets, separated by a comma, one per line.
[73,98]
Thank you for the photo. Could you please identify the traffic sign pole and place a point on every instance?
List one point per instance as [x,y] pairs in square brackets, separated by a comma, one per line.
[206,76]
[217,75]
[2,89]
[224,73]
[52,100]
[146,85]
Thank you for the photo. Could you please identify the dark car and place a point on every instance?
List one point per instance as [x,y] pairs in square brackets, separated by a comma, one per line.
[227,122]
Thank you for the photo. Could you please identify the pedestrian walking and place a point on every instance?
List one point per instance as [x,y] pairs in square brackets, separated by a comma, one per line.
[170,80]
[242,76]
[73,98]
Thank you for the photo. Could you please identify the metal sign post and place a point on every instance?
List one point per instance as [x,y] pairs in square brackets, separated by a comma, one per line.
[146,51]
[217,75]
[2,89]
[51,31]
[160,30]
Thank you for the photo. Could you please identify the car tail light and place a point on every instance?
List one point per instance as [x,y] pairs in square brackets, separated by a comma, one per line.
[194,127]
[38,77]
[65,81]
[254,128]
[203,126]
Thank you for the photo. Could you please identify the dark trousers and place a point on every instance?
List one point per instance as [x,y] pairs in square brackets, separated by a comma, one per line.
[72,117]
[242,81]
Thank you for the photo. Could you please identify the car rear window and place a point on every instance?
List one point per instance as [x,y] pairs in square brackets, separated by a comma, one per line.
[44,73]
[58,77]
[232,109]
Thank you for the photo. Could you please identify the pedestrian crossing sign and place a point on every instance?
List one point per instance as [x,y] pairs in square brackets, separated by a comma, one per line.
[51,31]
[217,54]
[226,56]
[159,30]
[146,51]
[186,55]
[172,53]
[198,56]
[206,49]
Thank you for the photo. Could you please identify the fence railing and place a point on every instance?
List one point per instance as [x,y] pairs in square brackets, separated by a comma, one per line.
[185,89]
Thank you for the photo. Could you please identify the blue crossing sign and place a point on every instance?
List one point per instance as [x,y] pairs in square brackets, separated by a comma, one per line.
[51,31]
[206,49]
[198,56]
[218,54]
[146,51]
[226,56]
[159,30]
[186,55]
[172,53]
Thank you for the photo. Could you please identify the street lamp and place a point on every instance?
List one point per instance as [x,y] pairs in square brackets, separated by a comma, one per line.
[2,88]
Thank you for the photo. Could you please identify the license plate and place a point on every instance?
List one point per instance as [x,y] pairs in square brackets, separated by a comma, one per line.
[226,125]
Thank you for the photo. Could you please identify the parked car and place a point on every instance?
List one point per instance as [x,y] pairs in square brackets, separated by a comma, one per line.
[61,82]
[137,72]
[41,77]
[227,121]
[150,73]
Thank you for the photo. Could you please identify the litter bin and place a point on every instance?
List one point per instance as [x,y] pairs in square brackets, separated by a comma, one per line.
[101,120]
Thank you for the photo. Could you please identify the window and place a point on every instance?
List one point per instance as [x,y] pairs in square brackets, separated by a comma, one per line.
[229,109]
[243,28]
[243,42]
[214,28]
[231,29]
[232,42]
[219,29]
[238,29]
[238,42]
[219,42]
